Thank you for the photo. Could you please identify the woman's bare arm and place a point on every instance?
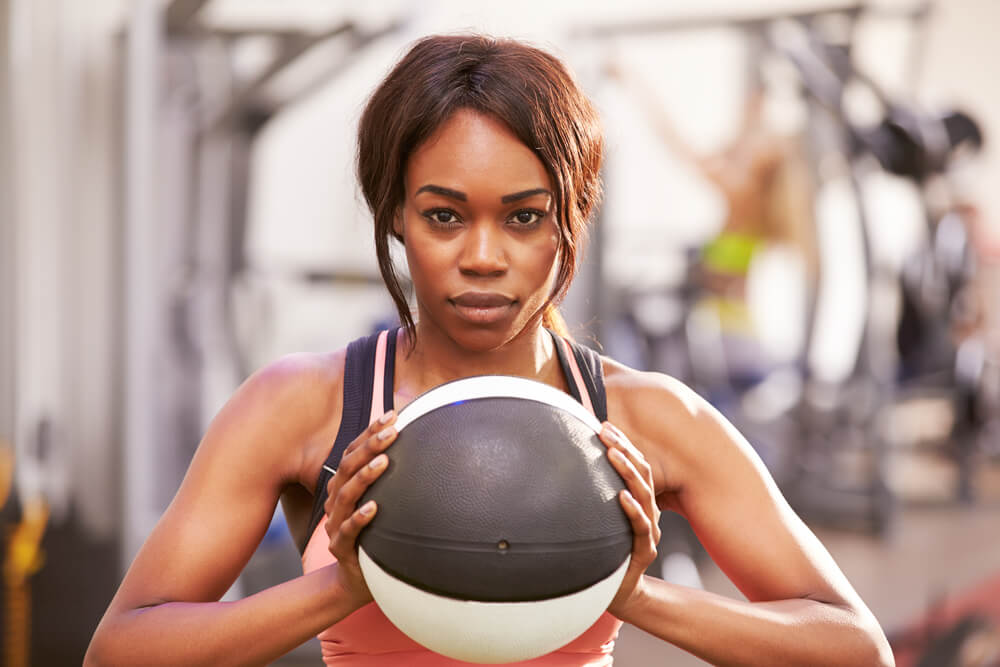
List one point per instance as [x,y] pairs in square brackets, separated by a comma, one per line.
[167,610]
[800,608]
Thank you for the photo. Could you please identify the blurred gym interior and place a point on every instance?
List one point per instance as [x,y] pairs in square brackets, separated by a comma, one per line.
[800,222]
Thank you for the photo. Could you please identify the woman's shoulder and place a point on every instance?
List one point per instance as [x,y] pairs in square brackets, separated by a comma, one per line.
[302,383]
[290,406]
[664,418]
[636,392]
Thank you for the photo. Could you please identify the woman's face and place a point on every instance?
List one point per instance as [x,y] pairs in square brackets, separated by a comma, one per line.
[479,226]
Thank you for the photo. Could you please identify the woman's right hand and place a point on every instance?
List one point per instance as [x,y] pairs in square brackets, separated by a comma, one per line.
[363,461]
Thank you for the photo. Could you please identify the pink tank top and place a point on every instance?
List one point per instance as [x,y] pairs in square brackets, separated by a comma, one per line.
[367,638]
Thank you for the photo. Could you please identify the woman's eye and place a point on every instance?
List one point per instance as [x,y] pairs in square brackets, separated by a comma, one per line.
[442,216]
[527,217]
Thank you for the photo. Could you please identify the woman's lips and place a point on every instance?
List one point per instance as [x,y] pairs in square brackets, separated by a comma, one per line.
[482,307]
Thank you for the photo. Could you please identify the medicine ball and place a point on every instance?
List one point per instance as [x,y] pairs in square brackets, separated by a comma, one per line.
[499,534]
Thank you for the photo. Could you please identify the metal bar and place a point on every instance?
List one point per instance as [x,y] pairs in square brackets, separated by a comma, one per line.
[359,40]
[685,23]
[144,320]
[180,13]
[196,30]
[296,45]
[8,240]
[918,47]
[652,26]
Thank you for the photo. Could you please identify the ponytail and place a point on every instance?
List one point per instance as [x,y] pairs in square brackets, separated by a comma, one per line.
[553,319]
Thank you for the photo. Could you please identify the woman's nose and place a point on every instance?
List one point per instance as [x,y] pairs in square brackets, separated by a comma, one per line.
[483,253]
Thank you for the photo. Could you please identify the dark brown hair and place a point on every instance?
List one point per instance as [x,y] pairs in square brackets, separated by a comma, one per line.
[526,88]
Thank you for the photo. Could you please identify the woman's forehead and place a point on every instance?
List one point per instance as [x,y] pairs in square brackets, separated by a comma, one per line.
[471,148]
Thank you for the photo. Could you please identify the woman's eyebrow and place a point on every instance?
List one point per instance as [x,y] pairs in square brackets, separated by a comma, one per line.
[461,196]
[444,192]
[524,194]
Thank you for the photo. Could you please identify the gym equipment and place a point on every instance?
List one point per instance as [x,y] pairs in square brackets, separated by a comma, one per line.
[921,357]
[960,628]
[499,535]
[824,440]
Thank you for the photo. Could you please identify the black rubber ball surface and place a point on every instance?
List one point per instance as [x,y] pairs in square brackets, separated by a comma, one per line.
[498,500]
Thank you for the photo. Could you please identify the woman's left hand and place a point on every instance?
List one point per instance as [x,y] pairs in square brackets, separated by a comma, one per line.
[639,502]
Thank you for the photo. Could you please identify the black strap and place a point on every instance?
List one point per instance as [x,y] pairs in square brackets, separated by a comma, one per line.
[389,380]
[358,387]
[591,371]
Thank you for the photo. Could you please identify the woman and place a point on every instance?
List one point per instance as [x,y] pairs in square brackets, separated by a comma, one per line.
[764,180]
[482,158]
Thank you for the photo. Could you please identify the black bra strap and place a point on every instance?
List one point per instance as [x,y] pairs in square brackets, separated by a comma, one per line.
[358,386]
[390,370]
[592,371]
[589,363]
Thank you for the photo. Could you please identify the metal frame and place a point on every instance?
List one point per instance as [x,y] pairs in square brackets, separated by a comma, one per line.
[8,347]
[871,373]
[655,25]
[186,169]
[143,319]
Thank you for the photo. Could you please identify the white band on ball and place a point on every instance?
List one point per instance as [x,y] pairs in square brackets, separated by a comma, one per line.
[488,632]
[494,386]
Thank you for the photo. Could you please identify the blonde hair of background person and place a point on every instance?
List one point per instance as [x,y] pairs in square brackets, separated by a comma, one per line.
[482,157]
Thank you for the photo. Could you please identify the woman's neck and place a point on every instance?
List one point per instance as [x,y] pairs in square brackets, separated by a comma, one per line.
[437,359]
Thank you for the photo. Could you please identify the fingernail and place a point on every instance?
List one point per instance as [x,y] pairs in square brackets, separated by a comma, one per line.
[616,455]
[368,508]
[385,434]
[384,419]
[377,462]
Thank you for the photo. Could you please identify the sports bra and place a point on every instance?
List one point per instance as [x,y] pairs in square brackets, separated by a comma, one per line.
[367,638]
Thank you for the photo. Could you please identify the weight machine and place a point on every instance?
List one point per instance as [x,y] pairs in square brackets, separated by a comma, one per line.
[832,457]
